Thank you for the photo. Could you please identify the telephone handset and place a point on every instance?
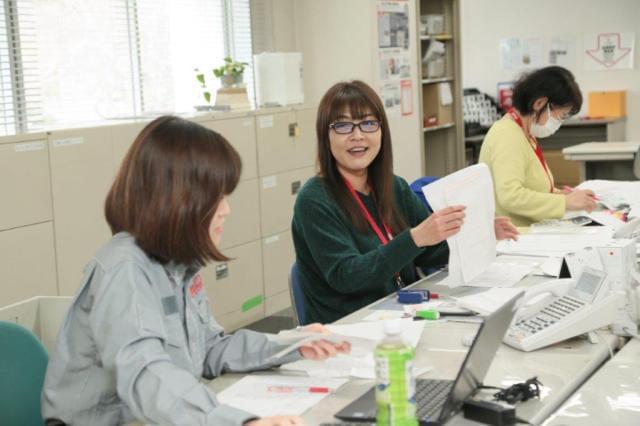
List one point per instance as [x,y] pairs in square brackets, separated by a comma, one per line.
[571,307]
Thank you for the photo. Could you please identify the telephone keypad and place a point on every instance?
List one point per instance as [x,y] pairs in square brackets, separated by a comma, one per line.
[550,314]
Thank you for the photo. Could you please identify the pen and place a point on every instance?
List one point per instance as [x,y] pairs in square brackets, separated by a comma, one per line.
[298,389]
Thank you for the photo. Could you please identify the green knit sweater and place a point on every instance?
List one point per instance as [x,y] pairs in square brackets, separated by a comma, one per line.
[341,269]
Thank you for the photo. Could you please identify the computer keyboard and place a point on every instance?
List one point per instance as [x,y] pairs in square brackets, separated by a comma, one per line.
[431,395]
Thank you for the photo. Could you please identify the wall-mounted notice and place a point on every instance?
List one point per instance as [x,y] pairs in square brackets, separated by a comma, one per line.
[562,51]
[609,51]
[393,24]
[518,53]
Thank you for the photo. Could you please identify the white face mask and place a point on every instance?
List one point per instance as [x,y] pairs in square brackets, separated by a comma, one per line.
[550,127]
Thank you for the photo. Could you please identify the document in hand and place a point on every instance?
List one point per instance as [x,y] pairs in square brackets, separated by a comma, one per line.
[472,249]
[295,339]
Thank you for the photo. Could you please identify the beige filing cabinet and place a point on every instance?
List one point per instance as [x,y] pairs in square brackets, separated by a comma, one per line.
[235,287]
[278,256]
[81,172]
[277,197]
[286,140]
[27,264]
[122,136]
[243,224]
[240,132]
[25,185]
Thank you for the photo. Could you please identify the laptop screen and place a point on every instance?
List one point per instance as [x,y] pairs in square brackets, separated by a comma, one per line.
[479,358]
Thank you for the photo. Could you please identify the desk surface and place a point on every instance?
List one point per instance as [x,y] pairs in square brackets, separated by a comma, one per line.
[611,396]
[602,148]
[562,368]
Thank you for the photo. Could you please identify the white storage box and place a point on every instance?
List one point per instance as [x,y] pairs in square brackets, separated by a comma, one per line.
[43,315]
[278,78]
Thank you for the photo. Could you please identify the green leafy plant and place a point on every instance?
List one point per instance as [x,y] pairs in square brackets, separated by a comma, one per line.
[230,67]
[203,84]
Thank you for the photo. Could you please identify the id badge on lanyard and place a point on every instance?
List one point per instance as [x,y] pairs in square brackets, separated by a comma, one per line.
[537,149]
[384,239]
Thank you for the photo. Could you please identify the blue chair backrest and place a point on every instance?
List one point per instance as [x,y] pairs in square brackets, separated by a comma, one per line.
[416,187]
[297,298]
[23,363]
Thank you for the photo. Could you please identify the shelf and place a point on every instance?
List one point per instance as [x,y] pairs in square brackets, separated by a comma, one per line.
[438,127]
[439,37]
[436,80]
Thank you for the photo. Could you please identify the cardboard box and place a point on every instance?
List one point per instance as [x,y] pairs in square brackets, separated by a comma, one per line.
[608,104]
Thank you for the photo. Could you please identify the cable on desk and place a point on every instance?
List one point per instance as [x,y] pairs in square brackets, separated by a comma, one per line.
[518,392]
[603,340]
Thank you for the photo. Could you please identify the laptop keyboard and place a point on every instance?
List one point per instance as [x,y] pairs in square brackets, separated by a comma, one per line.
[430,397]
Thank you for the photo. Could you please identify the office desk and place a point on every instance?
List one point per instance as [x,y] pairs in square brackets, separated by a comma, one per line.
[608,160]
[611,396]
[562,368]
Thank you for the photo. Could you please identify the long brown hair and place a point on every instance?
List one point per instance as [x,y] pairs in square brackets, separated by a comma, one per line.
[359,99]
[168,188]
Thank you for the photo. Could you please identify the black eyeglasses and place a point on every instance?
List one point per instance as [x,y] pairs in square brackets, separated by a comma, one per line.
[346,127]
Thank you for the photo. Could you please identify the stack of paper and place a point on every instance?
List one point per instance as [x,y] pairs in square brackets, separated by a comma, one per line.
[488,301]
[555,245]
[360,362]
[277,395]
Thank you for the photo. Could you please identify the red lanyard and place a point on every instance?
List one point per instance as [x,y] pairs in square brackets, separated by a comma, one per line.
[537,149]
[384,239]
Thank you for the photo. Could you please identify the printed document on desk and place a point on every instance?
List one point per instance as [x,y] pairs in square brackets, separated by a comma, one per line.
[556,245]
[278,395]
[614,192]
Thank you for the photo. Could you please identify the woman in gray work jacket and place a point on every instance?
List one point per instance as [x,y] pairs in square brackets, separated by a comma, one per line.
[139,333]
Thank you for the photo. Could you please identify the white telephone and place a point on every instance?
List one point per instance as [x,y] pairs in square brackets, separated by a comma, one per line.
[564,308]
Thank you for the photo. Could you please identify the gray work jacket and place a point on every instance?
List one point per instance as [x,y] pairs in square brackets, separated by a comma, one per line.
[136,340]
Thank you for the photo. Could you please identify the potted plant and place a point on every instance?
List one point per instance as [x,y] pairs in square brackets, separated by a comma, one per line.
[230,73]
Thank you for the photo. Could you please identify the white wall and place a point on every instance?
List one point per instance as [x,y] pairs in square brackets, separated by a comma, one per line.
[485,22]
[338,41]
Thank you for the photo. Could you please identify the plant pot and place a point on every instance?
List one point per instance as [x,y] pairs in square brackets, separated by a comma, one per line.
[227,80]
[238,79]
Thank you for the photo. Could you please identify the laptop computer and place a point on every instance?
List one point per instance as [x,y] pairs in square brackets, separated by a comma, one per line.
[439,400]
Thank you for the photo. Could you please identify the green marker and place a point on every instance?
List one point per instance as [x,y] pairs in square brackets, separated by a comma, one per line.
[429,314]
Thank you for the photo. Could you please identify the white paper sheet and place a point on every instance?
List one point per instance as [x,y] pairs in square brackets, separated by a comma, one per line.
[629,191]
[489,301]
[555,245]
[357,364]
[502,274]
[472,249]
[295,339]
[253,394]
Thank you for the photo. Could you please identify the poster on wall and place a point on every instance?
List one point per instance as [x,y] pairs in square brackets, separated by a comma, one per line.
[518,53]
[393,24]
[391,98]
[609,51]
[562,51]
[394,62]
[406,95]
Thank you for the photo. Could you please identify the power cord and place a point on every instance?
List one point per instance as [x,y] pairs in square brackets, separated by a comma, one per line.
[518,392]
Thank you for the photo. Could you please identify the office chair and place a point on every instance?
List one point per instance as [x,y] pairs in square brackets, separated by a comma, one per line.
[23,362]
[297,298]
[416,187]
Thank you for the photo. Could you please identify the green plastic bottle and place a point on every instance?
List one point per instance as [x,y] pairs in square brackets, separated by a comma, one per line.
[395,384]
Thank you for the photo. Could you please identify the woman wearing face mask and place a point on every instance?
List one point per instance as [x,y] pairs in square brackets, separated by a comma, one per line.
[358,230]
[523,182]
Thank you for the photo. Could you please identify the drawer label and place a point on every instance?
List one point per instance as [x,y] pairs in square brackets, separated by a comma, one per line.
[269,182]
[57,143]
[271,240]
[29,146]
[265,121]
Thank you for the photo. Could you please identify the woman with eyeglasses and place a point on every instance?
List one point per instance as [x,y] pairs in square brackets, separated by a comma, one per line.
[523,183]
[358,230]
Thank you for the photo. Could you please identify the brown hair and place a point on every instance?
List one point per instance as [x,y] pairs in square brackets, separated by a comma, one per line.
[359,99]
[168,188]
